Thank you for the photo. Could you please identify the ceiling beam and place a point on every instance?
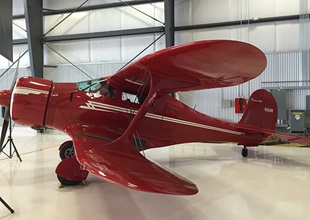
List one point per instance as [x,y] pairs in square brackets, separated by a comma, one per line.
[241,22]
[104,34]
[93,7]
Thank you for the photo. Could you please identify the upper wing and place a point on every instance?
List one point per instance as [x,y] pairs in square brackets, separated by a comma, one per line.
[117,162]
[198,65]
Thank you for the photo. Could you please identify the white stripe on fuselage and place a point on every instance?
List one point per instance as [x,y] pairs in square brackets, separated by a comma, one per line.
[24,91]
[97,106]
[27,91]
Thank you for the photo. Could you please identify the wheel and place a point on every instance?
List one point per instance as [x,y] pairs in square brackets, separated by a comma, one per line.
[66,150]
[68,182]
[244,152]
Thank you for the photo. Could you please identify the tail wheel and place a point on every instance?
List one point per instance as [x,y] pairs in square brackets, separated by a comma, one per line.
[66,150]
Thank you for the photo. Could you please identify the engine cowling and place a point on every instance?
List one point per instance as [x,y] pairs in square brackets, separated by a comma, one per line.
[29,101]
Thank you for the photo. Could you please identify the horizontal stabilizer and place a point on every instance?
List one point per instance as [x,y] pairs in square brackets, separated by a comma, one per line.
[253,130]
[131,169]
[292,138]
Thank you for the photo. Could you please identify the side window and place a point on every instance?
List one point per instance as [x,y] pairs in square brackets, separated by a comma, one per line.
[130,97]
[133,97]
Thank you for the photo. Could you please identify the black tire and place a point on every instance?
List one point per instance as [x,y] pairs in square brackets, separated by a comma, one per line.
[67,150]
[68,182]
[244,152]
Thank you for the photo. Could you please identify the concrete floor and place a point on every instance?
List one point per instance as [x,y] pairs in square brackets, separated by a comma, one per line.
[272,183]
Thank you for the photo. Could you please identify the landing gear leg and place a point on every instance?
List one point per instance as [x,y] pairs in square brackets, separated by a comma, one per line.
[244,152]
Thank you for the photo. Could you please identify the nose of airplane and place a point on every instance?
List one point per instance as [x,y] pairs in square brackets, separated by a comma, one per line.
[30,98]
[5,97]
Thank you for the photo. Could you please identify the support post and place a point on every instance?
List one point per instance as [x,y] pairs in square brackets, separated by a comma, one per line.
[6,35]
[34,23]
[169,22]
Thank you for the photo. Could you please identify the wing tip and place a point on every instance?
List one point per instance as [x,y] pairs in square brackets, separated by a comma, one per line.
[180,190]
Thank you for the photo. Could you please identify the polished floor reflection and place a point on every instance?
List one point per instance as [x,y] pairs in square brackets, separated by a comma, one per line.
[272,183]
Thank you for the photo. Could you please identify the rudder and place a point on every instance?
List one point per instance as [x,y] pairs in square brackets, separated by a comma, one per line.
[261,111]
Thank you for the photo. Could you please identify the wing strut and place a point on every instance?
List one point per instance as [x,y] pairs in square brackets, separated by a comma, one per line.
[128,134]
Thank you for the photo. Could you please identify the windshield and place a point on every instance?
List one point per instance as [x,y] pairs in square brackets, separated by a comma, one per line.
[91,85]
[99,86]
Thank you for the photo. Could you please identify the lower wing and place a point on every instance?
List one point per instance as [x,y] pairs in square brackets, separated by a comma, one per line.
[118,163]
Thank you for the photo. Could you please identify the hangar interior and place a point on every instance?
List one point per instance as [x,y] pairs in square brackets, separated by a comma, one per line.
[72,41]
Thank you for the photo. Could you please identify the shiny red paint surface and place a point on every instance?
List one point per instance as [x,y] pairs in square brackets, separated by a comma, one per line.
[5,97]
[115,164]
[198,65]
[107,131]
[71,169]
[30,98]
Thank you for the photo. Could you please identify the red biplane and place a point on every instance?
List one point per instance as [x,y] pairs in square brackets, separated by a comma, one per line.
[112,119]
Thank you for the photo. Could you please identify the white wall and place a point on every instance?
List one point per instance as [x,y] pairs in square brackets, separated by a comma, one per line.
[105,19]
[281,41]
[68,73]
[108,49]
[210,11]
[281,67]
[270,37]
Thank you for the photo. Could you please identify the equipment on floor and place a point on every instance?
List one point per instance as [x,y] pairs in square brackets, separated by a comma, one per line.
[6,205]
[7,122]
[297,121]
[10,143]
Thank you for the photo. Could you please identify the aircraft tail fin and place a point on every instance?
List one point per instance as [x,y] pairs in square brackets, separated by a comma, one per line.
[261,111]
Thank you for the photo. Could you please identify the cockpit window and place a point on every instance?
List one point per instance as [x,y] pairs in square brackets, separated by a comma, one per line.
[133,97]
[98,86]
[91,85]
